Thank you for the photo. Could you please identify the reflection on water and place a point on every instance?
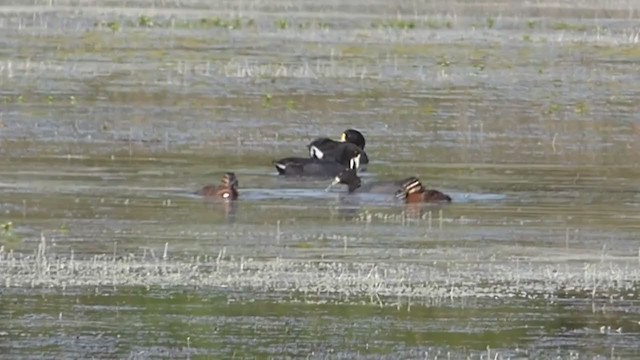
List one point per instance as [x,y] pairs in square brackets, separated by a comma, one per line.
[227,208]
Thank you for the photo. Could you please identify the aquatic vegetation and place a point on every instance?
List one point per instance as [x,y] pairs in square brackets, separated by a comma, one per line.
[7,227]
[235,23]
[232,24]
[563,26]
[8,235]
[480,66]
[281,24]
[434,24]
[267,100]
[581,108]
[320,25]
[491,23]
[114,26]
[145,21]
[399,24]
[444,62]
[552,109]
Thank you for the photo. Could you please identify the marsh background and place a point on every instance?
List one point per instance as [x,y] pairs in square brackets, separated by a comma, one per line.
[113,112]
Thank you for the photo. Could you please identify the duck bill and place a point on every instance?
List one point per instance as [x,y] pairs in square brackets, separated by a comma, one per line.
[354,163]
[343,138]
[335,182]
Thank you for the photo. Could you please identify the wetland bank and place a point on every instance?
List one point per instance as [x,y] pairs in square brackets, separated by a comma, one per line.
[114,113]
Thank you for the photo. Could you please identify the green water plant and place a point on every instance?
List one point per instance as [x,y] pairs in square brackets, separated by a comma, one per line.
[444,62]
[114,26]
[7,233]
[581,108]
[563,26]
[266,100]
[480,66]
[427,109]
[216,22]
[552,109]
[321,25]
[399,24]
[145,21]
[281,24]
[234,24]
[63,228]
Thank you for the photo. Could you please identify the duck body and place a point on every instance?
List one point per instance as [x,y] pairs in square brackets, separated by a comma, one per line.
[348,158]
[333,152]
[227,190]
[428,196]
[308,167]
[328,149]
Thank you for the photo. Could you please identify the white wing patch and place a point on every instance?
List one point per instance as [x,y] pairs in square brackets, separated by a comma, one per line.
[315,152]
[354,163]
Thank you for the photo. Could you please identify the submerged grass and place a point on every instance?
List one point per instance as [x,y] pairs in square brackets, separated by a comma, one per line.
[382,282]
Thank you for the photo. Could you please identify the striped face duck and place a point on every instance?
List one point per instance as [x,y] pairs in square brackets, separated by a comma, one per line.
[408,190]
[227,190]
[328,149]
[412,192]
[349,158]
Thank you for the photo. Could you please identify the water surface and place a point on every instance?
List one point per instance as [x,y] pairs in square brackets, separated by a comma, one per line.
[114,114]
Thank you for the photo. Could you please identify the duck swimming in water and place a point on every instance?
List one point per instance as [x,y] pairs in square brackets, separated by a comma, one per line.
[328,149]
[228,188]
[349,157]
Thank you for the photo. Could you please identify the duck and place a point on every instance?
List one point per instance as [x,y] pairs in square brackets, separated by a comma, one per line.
[413,192]
[227,190]
[328,149]
[408,190]
[349,157]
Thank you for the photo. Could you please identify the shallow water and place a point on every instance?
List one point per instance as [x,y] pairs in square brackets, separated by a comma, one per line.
[526,115]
